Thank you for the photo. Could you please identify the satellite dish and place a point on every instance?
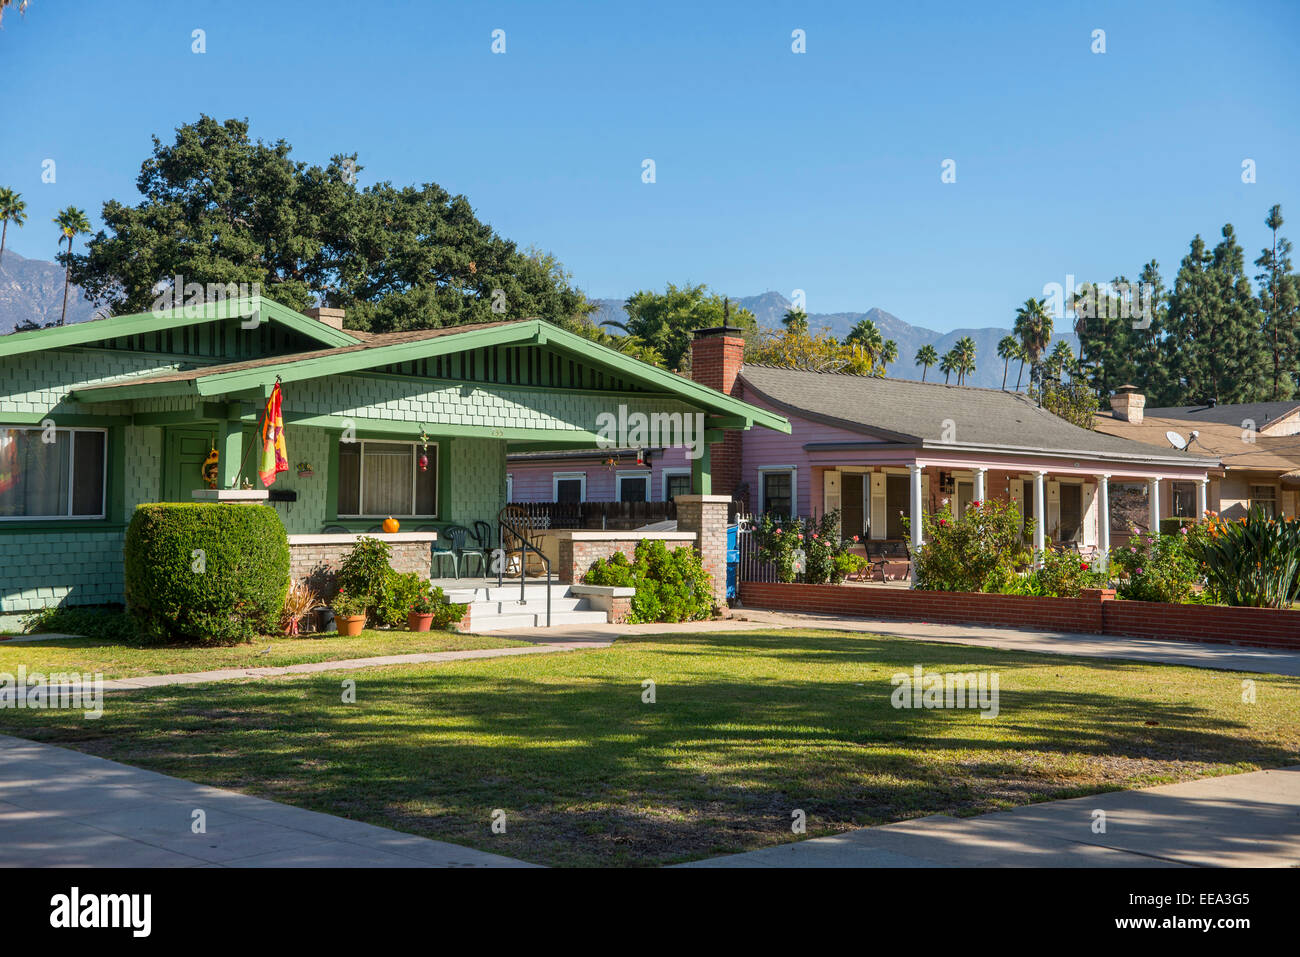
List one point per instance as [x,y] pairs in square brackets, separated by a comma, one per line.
[1176,440]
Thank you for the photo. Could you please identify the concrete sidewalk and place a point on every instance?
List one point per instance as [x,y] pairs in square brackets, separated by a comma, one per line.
[61,808]
[344,664]
[1240,820]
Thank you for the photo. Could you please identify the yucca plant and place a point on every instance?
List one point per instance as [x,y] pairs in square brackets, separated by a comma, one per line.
[1252,561]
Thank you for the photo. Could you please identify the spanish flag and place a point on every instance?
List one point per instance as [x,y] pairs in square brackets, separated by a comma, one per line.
[275,458]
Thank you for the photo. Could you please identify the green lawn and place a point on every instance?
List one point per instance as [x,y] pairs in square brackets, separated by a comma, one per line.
[117,660]
[747,727]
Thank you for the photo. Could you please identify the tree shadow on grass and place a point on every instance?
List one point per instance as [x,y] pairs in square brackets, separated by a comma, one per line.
[745,729]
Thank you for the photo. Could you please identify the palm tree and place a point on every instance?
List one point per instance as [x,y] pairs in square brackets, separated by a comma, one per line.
[949,364]
[795,320]
[1007,347]
[1034,327]
[889,353]
[1061,359]
[72,222]
[965,349]
[866,337]
[12,208]
[1022,356]
[20,4]
[926,356]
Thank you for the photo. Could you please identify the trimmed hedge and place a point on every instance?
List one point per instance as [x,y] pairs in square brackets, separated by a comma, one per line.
[231,593]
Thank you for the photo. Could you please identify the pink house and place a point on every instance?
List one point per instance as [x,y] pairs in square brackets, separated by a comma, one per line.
[881,449]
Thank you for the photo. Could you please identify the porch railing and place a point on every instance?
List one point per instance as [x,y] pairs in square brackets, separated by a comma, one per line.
[514,537]
[606,516]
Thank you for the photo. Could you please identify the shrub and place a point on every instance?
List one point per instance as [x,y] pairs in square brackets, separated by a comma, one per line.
[111,624]
[978,553]
[1252,561]
[809,546]
[366,573]
[1064,575]
[845,564]
[670,585]
[206,573]
[347,604]
[1155,567]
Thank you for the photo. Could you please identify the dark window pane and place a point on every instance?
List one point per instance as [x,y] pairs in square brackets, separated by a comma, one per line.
[349,478]
[632,489]
[568,491]
[898,503]
[678,485]
[776,493]
[88,473]
[1071,513]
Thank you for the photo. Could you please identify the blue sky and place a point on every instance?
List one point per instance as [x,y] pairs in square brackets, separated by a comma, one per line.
[775,170]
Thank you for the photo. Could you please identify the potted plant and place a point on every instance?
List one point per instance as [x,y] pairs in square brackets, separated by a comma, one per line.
[350,613]
[305,470]
[419,615]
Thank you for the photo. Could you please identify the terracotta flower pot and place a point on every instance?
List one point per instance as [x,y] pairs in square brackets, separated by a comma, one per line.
[419,621]
[350,624]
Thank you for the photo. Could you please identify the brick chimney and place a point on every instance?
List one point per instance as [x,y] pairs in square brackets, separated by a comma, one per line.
[1128,404]
[716,357]
[328,315]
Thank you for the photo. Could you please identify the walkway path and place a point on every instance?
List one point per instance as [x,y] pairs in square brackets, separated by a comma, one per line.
[64,808]
[1241,820]
[1192,654]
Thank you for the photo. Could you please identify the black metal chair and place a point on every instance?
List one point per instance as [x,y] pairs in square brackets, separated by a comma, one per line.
[334,530]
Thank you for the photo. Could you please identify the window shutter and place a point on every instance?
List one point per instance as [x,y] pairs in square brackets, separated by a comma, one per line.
[879,522]
[1089,514]
[830,490]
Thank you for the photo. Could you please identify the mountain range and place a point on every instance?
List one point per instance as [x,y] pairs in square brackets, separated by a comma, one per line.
[769,307]
[31,292]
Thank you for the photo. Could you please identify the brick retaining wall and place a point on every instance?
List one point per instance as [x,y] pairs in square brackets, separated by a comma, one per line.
[1098,614]
[317,557]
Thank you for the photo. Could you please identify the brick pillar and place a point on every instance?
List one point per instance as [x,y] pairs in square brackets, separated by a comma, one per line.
[716,358]
[706,516]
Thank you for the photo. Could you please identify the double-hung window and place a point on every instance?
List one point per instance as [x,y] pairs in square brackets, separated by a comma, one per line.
[378,479]
[777,492]
[52,473]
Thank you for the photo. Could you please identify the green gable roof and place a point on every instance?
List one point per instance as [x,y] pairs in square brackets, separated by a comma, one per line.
[114,327]
[367,352]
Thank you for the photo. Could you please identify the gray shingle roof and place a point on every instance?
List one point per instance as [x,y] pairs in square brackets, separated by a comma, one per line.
[910,412]
[1260,413]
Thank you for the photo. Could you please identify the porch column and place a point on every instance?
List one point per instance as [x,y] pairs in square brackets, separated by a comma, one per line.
[706,516]
[230,452]
[701,468]
[1040,518]
[1153,496]
[1202,497]
[1103,519]
[915,475]
[979,484]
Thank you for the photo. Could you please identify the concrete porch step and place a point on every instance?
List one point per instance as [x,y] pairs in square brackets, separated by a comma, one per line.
[534,604]
[476,593]
[535,620]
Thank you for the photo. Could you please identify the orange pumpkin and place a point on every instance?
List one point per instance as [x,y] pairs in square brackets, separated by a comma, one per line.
[391,524]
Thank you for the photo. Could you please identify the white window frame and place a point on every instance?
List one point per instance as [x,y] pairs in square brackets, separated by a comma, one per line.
[415,470]
[794,486]
[558,477]
[103,480]
[665,475]
[633,474]
[510,488]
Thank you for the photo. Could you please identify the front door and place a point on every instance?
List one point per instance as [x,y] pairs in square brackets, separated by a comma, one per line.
[184,451]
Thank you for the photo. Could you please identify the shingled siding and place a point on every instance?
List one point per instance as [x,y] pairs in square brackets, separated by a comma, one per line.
[1099,614]
[488,406]
[37,382]
[41,569]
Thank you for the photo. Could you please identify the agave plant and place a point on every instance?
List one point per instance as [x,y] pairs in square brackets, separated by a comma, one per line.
[1252,561]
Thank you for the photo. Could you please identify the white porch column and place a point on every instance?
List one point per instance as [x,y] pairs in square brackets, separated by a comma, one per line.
[979,484]
[1153,496]
[915,476]
[1040,518]
[1202,497]
[1103,519]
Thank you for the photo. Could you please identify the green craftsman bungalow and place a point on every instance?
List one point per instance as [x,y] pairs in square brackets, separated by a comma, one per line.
[99,417]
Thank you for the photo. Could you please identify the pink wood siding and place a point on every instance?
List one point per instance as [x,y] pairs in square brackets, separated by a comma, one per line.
[533,480]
